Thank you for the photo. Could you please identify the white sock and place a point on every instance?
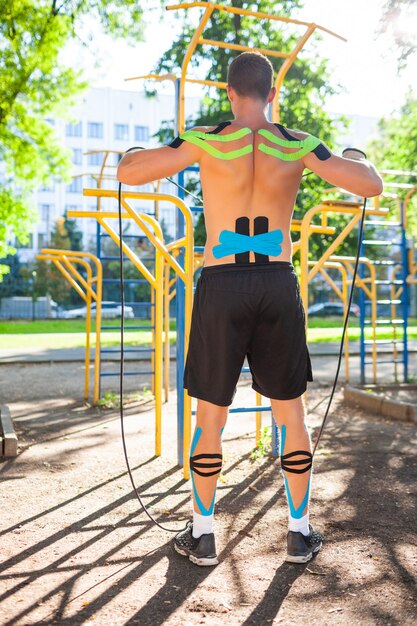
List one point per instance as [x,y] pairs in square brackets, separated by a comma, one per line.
[202,524]
[299,525]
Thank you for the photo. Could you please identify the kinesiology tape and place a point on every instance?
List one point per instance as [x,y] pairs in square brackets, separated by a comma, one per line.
[200,462]
[263,243]
[303,146]
[204,464]
[290,466]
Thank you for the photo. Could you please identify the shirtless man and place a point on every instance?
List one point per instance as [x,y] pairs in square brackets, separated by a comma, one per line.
[247,300]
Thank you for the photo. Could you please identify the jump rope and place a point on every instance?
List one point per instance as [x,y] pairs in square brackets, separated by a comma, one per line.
[122,325]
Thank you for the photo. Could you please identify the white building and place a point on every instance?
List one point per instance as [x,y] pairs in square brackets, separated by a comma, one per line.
[109,119]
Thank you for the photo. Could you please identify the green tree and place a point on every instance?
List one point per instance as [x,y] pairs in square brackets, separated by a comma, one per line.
[49,279]
[34,85]
[394,149]
[303,96]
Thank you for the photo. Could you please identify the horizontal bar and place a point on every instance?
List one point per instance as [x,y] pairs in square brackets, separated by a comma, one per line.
[125,373]
[382,362]
[240,11]
[383,301]
[388,282]
[381,223]
[135,281]
[250,409]
[385,322]
[381,242]
[237,46]
[371,342]
[127,328]
[113,350]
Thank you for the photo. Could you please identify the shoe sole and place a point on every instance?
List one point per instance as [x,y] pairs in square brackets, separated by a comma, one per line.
[201,561]
[302,558]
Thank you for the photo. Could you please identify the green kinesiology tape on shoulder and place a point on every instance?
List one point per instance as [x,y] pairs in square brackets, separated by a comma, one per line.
[304,146]
[201,139]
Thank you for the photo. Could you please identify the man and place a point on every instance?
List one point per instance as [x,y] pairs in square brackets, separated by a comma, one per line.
[247,300]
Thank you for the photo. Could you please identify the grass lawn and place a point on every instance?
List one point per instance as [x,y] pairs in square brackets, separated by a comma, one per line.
[55,334]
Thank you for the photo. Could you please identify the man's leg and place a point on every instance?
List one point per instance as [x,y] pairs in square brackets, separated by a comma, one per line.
[197,540]
[296,460]
[297,467]
[206,463]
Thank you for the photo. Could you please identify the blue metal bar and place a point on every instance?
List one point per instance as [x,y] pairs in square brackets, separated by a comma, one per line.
[405,272]
[362,316]
[275,437]
[180,309]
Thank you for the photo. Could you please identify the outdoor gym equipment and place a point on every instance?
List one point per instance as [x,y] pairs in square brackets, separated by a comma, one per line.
[151,228]
[66,261]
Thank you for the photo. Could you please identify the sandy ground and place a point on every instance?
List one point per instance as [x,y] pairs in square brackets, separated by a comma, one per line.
[76,549]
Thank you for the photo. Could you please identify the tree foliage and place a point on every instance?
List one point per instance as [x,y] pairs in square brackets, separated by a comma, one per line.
[35,85]
[395,150]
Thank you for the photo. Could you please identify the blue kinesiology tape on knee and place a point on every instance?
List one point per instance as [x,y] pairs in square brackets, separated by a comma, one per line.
[287,465]
[200,462]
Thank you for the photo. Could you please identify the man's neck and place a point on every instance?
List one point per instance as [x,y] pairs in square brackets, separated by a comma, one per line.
[251,120]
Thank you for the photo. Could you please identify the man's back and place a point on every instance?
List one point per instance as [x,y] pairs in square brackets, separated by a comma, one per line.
[248,185]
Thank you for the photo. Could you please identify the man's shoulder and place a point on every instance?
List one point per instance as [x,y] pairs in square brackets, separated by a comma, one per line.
[208,129]
[297,133]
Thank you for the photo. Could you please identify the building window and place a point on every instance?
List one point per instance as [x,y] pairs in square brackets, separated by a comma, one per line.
[74,130]
[42,241]
[95,130]
[141,133]
[96,158]
[77,156]
[76,186]
[121,131]
[46,212]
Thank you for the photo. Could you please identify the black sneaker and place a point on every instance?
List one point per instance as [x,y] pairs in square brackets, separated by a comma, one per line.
[201,551]
[300,548]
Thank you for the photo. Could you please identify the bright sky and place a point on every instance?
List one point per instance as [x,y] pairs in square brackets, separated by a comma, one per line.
[365,66]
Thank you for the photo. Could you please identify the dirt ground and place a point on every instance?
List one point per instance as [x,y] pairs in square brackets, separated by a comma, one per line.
[76,549]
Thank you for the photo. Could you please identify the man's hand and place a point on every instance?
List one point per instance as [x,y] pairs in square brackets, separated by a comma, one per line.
[352,172]
[139,167]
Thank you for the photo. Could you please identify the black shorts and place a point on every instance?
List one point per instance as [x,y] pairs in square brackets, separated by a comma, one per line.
[253,310]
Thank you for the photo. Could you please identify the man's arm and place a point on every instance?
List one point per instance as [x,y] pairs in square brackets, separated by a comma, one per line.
[353,173]
[139,167]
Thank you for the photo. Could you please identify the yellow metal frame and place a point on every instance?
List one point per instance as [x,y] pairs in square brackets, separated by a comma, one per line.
[198,39]
[65,261]
[153,231]
[368,286]
[326,208]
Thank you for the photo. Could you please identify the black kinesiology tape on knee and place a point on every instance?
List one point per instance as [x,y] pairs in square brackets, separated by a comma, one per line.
[200,462]
[288,465]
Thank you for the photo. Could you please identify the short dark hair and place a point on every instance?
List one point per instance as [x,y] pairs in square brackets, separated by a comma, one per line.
[251,74]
